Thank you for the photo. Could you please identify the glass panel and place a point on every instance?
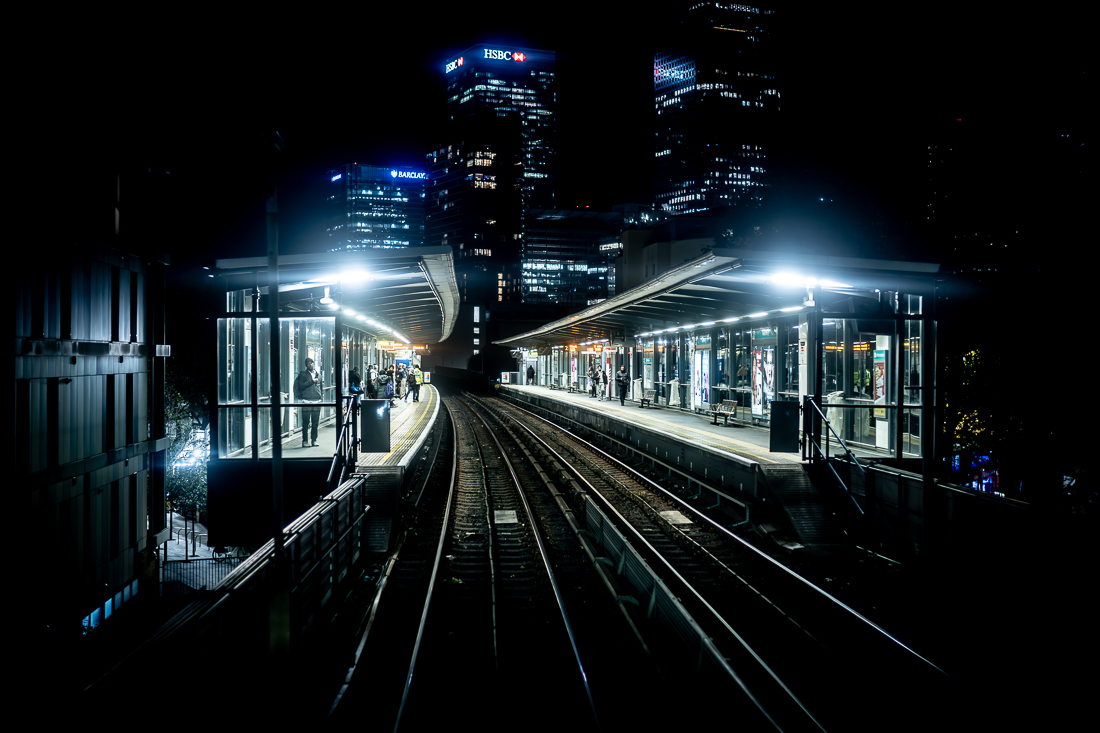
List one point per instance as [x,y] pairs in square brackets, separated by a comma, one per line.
[789,384]
[234,361]
[235,432]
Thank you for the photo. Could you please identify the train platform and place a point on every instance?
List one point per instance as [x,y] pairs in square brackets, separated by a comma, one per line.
[739,437]
[747,442]
[409,422]
[735,461]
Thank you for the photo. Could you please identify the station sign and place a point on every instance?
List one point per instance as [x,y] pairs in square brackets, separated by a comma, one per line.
[499,55]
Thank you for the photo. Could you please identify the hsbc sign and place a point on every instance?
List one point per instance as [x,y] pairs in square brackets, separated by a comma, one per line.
[494,53]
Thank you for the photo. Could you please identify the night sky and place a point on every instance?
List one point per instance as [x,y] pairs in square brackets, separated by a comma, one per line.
[192,94]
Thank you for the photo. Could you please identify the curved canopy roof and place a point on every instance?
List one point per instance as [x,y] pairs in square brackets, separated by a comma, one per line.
[733,284]
[412,291]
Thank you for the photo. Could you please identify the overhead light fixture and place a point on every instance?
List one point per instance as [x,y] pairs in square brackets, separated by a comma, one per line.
[708,323]
[792,308]
[791,280]
[757,315]
[326,300]
[354,276]
[731,320]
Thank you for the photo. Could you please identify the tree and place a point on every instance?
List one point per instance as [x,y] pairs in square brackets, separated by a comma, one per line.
[188,448]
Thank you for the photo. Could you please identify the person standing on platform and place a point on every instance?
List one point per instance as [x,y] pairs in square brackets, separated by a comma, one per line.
[530,374]
[356,381]
[307,388]
[372,374]
[622,379]
[416,380]
[591,381]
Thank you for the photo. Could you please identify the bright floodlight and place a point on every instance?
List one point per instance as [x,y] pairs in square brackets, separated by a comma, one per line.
[354,276]
[791,280]
[326,300]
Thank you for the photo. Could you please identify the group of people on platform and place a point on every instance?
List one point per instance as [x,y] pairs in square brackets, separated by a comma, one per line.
[396,382]
[392,383]
[598,380]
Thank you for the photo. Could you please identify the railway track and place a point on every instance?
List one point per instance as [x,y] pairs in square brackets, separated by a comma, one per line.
[509,540]
[493,626]
[804,648]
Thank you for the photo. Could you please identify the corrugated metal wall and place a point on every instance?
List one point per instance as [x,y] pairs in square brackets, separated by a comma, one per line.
[83,351]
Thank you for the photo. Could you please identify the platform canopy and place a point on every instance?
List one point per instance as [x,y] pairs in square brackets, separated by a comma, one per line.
[731,285]
[412,291]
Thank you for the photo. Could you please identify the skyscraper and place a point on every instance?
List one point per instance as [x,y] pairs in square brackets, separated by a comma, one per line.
[496,159]
[715,101]
[374,207]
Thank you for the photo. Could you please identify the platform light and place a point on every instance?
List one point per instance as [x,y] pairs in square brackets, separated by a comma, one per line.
[792,280]
[354,276]
[349,311]
[792,308]
[731,320]
[708,323]
[327,299]
[757,315]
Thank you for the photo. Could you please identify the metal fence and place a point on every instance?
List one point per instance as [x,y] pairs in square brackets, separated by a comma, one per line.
[184,576]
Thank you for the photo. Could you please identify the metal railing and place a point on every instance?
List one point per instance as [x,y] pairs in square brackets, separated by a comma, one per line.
[196,574]
[347,444]
[809,434]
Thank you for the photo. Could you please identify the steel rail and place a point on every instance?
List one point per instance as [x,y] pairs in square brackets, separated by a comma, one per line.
[546,563]
[435,573]
[724,530]
[376,601]
[624,523]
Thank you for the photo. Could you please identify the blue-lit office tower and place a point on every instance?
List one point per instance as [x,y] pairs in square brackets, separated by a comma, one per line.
[716,99]
[374,207]
[496,159]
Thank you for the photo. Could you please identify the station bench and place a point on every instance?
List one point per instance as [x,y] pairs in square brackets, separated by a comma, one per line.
[648,396]
[726,410]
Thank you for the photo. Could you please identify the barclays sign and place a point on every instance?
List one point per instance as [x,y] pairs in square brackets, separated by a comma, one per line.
[408,174]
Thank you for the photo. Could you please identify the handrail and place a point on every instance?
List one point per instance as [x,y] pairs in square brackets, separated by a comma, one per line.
[339,458]
[825,455]
[810,401]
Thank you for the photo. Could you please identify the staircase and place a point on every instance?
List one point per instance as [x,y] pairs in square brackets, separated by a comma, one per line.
[790,487]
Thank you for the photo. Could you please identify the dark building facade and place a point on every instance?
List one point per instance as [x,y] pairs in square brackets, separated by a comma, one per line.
[88,448]
[716,98]
[375,207]
[568,256]
[496,159]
